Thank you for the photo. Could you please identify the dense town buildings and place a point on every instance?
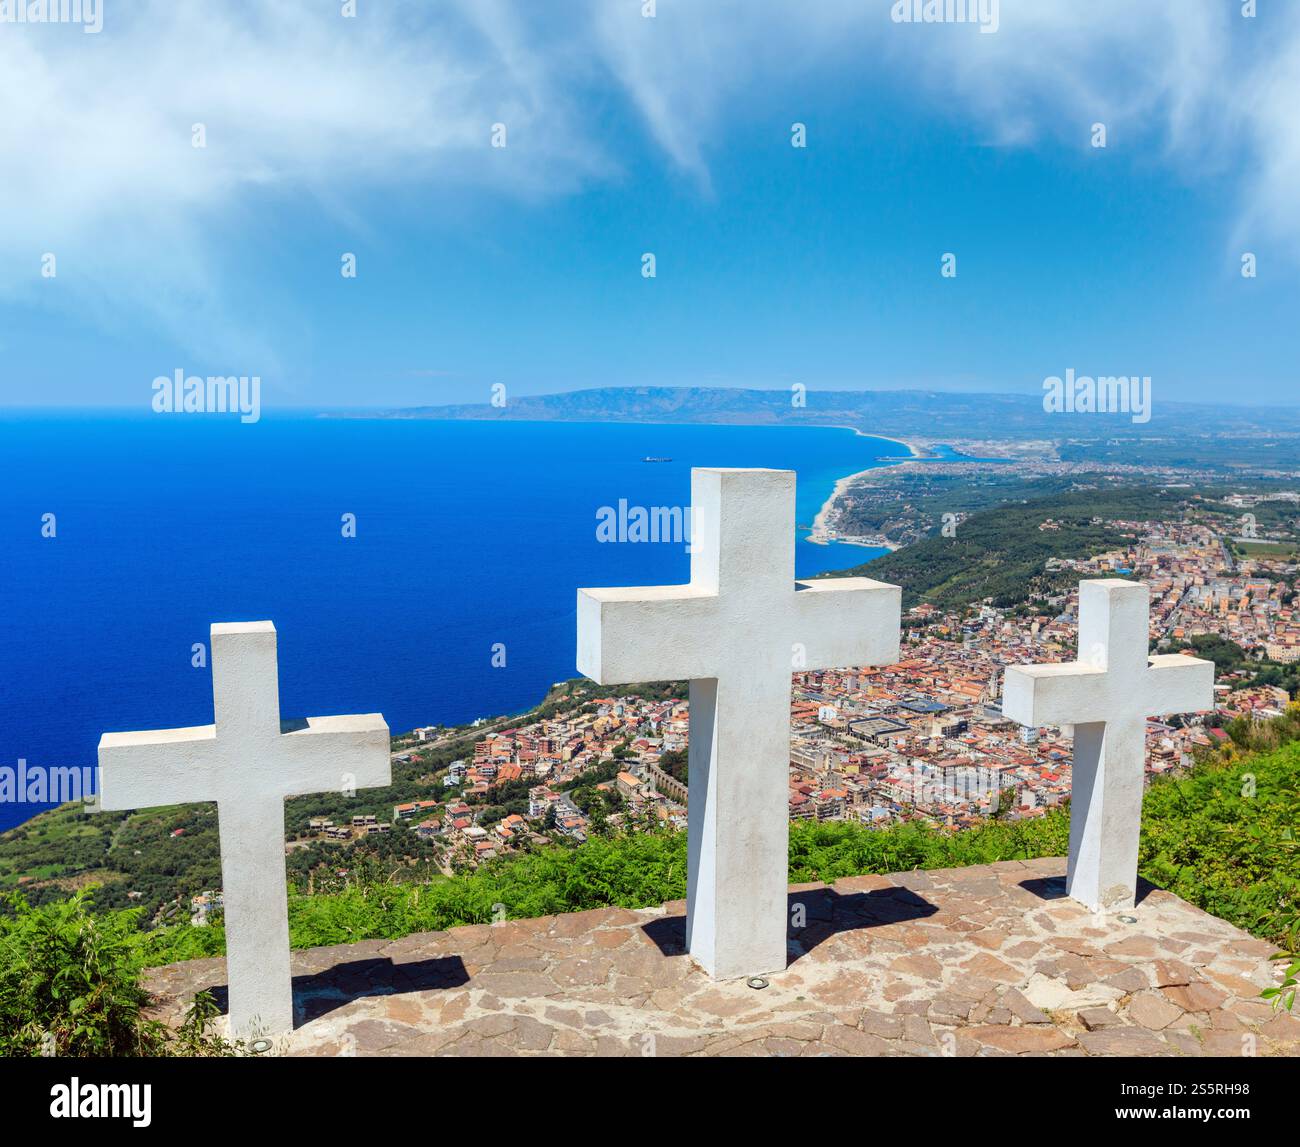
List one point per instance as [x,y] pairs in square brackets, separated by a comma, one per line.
[924,738]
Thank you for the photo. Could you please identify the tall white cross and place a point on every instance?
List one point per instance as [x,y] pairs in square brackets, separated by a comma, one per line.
[736,632]
[248,762]
[1107,695]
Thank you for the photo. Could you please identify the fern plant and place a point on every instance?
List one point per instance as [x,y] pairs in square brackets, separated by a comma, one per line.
[70,982]
[70,985]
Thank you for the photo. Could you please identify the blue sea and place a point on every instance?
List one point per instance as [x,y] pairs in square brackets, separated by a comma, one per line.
[467,534]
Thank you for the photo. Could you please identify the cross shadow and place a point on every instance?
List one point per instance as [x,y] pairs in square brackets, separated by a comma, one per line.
[826,913]
[668,934]
[1053,888]
[1046,887]
[322,992]
[814,916]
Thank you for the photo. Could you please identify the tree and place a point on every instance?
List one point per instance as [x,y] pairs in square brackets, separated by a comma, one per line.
[675,763]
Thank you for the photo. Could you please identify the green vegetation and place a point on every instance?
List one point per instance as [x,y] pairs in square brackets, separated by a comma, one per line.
[1203,839]
[102,895]
[1228,449]
[676,763]
[634,870]
[836,849]
[1208,836]
[1225,838]
[999,552]
[1218,838]
[999,555]
[1230,660]
[1222,837]
[908,504]
[627,870]
[1228,656]
[70,986]
[166,855]
[1272,551]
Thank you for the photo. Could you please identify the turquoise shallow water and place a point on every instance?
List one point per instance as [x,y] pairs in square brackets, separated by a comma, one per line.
[468,534]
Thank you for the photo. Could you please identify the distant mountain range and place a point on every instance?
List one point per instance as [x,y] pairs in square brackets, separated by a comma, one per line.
[930,415]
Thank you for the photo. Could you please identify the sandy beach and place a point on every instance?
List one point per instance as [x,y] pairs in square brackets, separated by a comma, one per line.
[913,450]
[821,533]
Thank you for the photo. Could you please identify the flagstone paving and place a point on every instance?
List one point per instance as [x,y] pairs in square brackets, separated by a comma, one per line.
[989,960]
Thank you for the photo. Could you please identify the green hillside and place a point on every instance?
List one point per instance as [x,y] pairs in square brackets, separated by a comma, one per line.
[1223,837]
[999,551]
[999,554]
[162,855]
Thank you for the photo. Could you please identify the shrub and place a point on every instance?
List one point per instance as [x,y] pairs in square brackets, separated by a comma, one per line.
[70,986]
[70,983]
[1221,837]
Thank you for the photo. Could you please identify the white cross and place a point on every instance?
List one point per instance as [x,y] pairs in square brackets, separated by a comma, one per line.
[1107,695]
[736,632]
[248,762]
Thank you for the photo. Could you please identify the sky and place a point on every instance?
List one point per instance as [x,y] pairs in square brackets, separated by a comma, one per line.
[372,134]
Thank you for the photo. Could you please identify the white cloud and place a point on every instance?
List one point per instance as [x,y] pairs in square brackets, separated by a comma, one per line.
[1270,100]
[96,159]
[1190,83]
[298,101]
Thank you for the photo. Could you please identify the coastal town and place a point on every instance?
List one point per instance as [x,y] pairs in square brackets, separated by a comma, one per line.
[921,739]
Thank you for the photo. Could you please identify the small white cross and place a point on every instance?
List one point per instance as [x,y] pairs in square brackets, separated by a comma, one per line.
[736,632]
[248,762]
[1107,695]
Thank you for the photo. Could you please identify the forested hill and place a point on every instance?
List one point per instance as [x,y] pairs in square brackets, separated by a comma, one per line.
[1000,554]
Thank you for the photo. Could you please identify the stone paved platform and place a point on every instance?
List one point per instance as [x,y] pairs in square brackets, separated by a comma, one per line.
[991,960]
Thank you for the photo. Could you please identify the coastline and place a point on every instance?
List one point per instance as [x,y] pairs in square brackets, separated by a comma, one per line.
[912,449]
[821,534]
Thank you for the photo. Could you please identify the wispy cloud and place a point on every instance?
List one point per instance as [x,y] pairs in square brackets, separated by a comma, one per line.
[1192,84]
[299,102]
[96,155]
